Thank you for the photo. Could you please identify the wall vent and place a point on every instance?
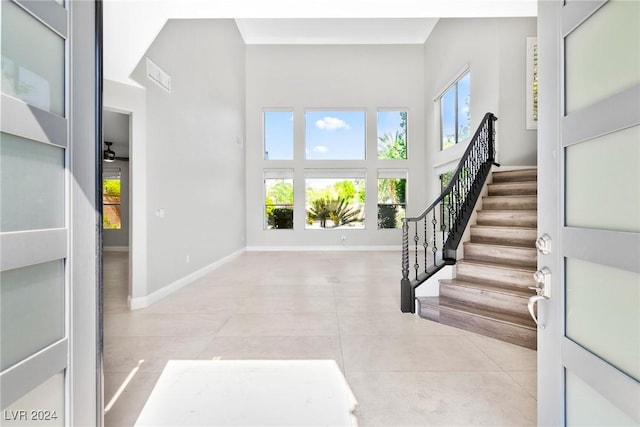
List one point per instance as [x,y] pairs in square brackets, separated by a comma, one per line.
[158,76]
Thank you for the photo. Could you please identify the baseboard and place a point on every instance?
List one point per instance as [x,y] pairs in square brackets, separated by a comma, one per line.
[115,249]
[143,302]
[322,248]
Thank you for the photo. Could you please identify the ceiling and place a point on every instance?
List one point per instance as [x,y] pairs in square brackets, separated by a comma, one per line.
[130,26]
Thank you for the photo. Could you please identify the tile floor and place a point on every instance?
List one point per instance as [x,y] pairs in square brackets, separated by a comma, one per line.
[342,306]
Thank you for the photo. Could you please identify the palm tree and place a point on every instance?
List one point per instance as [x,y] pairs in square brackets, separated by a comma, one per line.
[393,146]
[340,212]
[319,210]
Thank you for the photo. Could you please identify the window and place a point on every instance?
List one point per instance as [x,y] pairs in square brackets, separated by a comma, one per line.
[335,199]
[278,135]
[392,190]
[392,134]
[335,135]
[455,110]
[111,215]
[278,204]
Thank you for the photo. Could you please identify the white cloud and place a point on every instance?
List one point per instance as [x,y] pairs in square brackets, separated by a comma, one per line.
[332,123]
[320,149]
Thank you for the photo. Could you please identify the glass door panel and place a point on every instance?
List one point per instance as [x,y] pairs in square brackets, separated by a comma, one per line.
[587,407]
[599,52]
[603,312]
[32,60]
[32,184]
[42,406]
[601,189]
[32,310]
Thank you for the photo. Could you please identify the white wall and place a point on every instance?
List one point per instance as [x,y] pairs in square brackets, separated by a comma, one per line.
[495,52]
[195,169]
[332,77]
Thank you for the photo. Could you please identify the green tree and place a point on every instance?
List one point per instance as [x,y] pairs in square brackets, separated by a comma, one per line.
[111,187]
[345,189]
[392,145]
[281,193]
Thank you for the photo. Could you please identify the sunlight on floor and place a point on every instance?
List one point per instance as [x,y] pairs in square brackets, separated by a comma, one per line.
[122,387]
[250,392]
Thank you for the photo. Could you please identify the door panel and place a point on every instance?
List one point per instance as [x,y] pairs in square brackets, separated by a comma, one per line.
[597,51]
[587,407]
[602,312]
[32,179]
[34,200]
[50,395]
[33,60]
[589,203]
[32,310]
[600,192]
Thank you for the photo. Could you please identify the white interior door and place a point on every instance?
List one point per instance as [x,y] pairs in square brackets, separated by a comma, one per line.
[589,204]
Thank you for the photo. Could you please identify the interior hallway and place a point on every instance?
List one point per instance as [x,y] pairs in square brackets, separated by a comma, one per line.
[342,306]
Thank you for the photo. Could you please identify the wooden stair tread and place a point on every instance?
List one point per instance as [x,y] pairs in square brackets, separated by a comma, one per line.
[511,211]
[514,175]
[491,287]
[499,245]
[523,268]
[509,319]
[500,227]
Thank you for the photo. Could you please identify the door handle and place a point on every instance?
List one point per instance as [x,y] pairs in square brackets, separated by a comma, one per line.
[532,302]
[543,291]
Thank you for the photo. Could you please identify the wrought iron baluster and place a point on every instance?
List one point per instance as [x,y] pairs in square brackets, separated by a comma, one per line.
[405,249]
[458,200]
[425,245]
[416,239]
[434,248]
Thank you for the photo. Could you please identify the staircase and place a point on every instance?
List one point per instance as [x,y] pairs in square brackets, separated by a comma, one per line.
[490,292]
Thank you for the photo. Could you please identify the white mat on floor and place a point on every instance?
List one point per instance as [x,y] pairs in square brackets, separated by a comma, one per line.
[250,393]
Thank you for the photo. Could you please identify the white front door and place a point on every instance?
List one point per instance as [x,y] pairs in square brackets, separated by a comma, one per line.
[589,205]
[48,239]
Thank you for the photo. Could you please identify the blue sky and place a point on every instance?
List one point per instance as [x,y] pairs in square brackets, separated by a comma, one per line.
[448,106]
[330,135]
[388,122]
[278,135]
[335,135]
